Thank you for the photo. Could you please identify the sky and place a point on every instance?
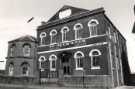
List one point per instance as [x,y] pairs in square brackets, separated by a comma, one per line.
[14,15]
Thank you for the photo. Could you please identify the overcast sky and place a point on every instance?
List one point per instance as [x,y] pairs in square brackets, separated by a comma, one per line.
[15,13]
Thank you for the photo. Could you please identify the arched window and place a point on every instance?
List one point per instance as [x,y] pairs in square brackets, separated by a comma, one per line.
[52,60]
[25,68]
[26,50]
[64,31]
[79,60]
[11,69]
[92,24]
[42,36]
[53,34]
[12,50]
[95,58]
[77,28]
[42,59]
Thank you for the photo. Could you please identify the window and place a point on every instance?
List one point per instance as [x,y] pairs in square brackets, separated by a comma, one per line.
[65,13]
[64,31]
[26,50]
[95,58]
[42,36]
[92,24]
[25,69]
[79,60]
[11,69]
[42,59]
[77,28]
[12,50]
[52,60]
[53,33]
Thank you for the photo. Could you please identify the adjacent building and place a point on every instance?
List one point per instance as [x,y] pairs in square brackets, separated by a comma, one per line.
[21,64]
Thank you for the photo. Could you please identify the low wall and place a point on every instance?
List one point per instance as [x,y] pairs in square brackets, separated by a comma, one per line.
[103,81]
[18,80]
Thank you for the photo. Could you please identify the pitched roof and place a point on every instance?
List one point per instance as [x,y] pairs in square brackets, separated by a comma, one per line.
[65,7]
[25,38]
[76,13]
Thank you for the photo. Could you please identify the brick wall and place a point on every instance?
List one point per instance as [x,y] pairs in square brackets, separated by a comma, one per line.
[18,80]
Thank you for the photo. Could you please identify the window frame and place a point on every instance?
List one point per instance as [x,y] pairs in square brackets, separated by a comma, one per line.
[51,60]
[78,58]
[93,28]
[64,34]
[52,36]
[92,56]
[77,35]
[40,62]
[42,37]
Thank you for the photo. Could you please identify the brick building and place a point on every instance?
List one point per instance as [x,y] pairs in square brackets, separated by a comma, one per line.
[22,60]
[76,47]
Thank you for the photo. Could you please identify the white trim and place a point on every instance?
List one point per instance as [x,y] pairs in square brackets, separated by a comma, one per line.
[95,68]
[75,28]
[52,35]
[54,30]
[91,55]
[78,68]
[65,27]
[75,55]
[42,33]
[64,34]
[95,44]
[42,57]
[40,61]
[77,36]
[75,40]
[90,25]
[41,37]
[95,20]
[76,59]
[50,59]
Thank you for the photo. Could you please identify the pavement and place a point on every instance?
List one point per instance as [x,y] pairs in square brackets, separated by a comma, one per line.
[12,86]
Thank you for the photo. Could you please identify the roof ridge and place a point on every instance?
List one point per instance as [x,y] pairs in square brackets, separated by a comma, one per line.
[25,38]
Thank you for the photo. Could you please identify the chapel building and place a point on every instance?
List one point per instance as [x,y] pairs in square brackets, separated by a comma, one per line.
[81,47]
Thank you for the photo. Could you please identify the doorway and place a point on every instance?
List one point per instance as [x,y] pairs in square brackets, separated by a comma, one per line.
[65,62]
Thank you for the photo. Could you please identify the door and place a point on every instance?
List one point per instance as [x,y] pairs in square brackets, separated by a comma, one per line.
[65,63]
